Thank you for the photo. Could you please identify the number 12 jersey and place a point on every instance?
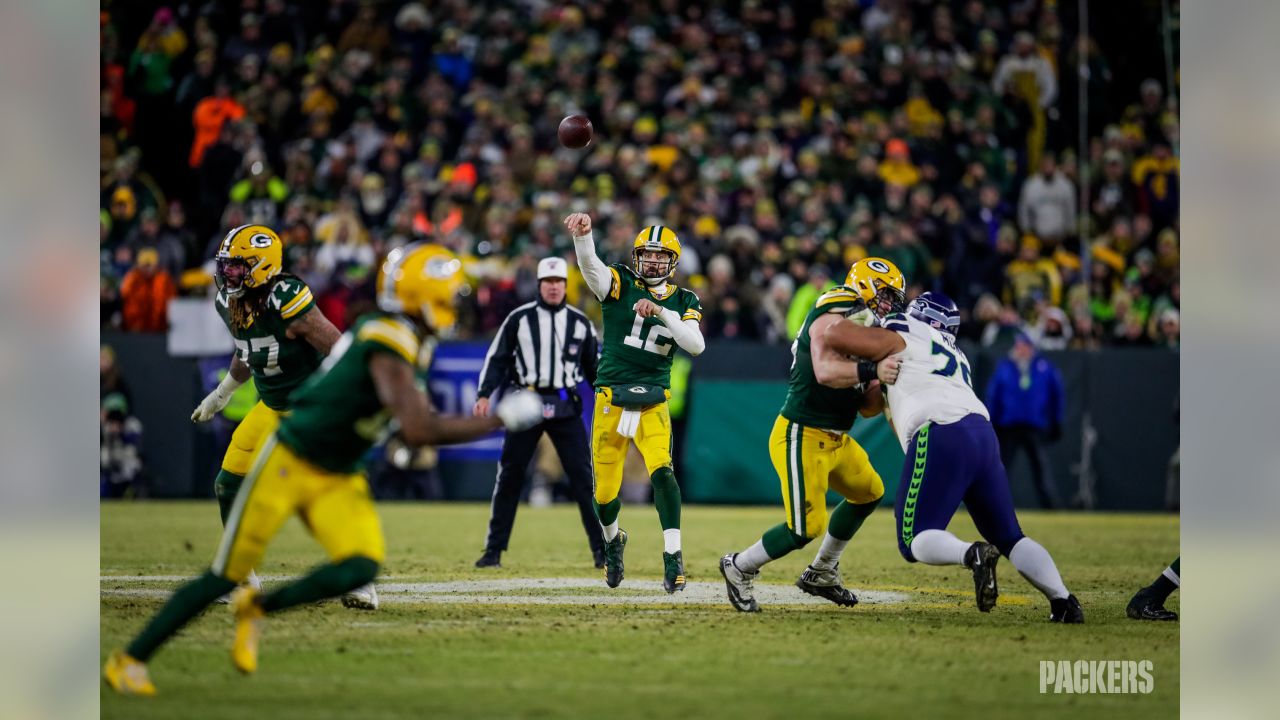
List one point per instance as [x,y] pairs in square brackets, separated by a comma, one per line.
[636,349]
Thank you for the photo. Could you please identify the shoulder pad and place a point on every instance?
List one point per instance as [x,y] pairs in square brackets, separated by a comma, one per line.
[391,334]
[837,295]
[290,296]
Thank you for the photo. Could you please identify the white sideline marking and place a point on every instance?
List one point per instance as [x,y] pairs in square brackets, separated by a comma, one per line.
[513,591]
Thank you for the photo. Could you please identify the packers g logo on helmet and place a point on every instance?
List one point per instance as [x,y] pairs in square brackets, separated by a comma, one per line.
[880,285]
[248,258]
[656,238]
[422,280]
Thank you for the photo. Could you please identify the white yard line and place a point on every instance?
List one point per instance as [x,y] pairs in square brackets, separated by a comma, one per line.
[515,591]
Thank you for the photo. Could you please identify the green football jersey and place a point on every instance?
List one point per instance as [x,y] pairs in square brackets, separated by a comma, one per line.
[636,349]
[808,401]
[337,415]
[279,363]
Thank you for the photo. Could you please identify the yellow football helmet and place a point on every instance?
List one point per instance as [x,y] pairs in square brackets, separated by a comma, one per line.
[880,284]
[248,258]
[660,239]
[422,280]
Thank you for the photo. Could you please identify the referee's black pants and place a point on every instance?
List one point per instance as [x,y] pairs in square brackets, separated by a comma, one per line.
[569,437]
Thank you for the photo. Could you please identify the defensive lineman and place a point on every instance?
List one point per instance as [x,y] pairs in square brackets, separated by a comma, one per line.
[311,466]
[643,314]
[811,448]
[952,454]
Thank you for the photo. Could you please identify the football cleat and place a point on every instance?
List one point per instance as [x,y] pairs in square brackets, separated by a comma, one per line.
[1144,606]
[251,581]
[128,675]
[673,571]
[249,615]
[739,584]
[613,559]
[490,558]
[981,559]
[1066,610]
[364,597]
[597,556]
[826,584]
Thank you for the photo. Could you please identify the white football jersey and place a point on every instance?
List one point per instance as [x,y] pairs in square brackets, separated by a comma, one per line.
[934,382]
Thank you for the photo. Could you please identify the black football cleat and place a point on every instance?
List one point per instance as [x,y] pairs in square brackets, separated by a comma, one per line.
[981,558]
[490,558]
[1144,606]
[1066,610]
[673,571]
[826,584]
[613,559]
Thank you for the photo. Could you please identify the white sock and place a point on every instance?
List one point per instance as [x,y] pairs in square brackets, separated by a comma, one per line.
[1036,565]
[938,547]
[1173,576]
[610,531]
[829,553]
[671,541]
[753,558]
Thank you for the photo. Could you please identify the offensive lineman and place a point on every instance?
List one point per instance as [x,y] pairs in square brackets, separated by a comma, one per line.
[643,314]
[952,454]
[281,337]
[311,464]
[810,446]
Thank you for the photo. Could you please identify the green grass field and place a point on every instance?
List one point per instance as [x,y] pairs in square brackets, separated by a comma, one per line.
[576,649]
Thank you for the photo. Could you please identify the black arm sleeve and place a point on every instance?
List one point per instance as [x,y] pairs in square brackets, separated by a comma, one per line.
[589,355]
[498,361]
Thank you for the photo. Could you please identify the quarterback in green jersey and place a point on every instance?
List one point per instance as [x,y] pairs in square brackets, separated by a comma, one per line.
[645,318]
[310,465]
[811,449]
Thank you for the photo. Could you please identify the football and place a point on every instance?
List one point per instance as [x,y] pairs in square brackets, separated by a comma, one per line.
[575,131]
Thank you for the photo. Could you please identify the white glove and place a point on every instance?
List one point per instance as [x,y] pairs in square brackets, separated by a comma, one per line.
[213,403]
[519,410]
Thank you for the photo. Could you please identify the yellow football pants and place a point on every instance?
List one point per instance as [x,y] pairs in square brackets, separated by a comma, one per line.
[248,435]
[336,508]
[808,462]
[609,449]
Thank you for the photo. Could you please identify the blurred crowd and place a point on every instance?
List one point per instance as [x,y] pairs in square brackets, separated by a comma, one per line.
[781,140]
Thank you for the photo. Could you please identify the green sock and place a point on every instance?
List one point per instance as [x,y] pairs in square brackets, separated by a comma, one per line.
[847,517]
[779,540]
[328,580]
[608,512]
[225,487]
[666,498]
[185,604]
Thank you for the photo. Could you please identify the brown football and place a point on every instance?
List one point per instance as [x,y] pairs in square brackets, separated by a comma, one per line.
[575,131]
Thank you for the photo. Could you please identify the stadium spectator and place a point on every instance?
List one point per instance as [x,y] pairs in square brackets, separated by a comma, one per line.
[826,143]
[145,293]
[120,450]
[1027,408]
[1047,207]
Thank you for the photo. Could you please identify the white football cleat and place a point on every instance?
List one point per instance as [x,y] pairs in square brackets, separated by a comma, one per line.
[364,597]
[251,582]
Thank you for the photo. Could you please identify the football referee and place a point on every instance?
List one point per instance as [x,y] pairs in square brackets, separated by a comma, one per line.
[549,347]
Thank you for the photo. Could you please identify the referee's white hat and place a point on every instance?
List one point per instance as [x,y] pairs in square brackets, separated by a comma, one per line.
[553,267]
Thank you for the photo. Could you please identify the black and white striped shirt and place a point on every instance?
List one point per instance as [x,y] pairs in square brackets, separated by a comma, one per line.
[541,348]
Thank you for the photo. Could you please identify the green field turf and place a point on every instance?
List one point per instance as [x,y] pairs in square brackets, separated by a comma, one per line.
[926,654]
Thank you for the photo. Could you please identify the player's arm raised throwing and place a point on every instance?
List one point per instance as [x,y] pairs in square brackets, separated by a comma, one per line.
[596,274]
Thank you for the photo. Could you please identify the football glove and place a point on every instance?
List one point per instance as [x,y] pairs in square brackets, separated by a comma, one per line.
[214,402]
[519,410]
